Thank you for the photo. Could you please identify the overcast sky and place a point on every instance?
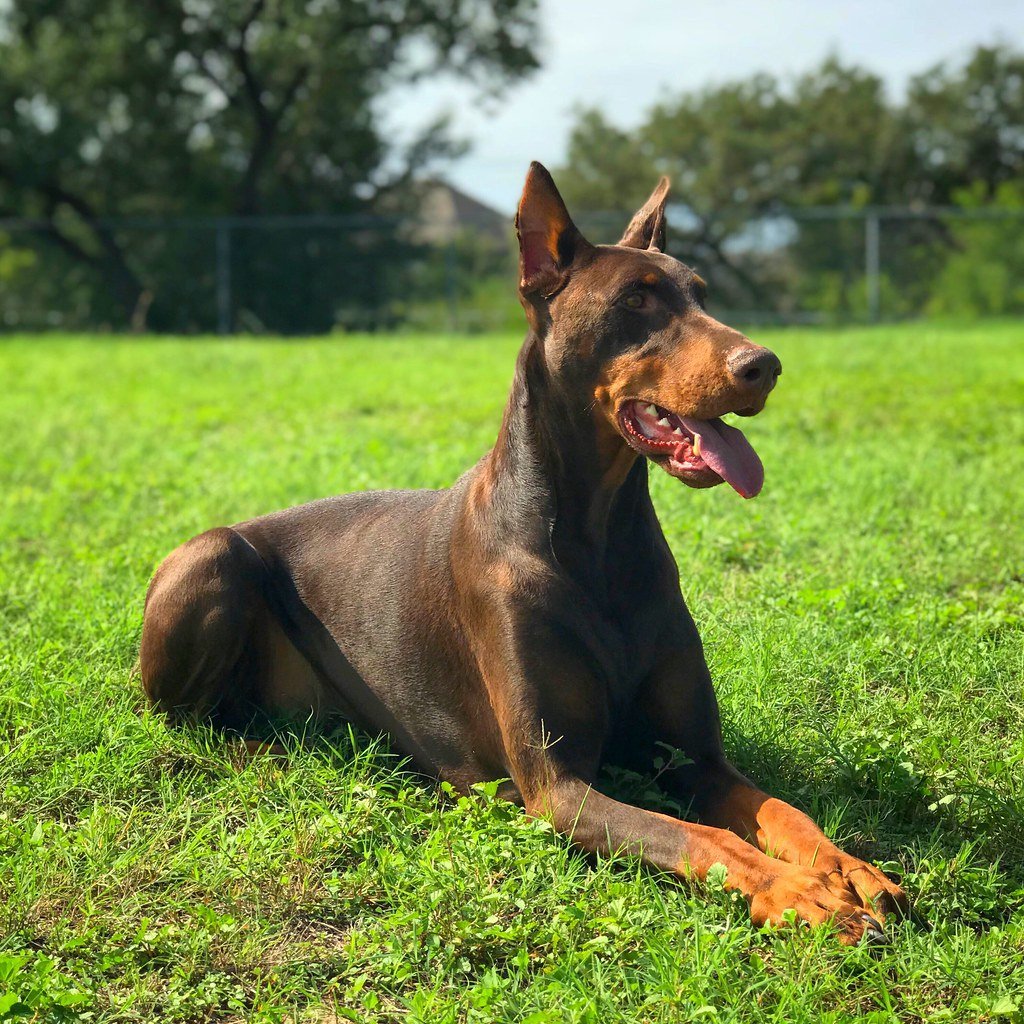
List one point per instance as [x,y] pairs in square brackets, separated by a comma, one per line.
[622,57]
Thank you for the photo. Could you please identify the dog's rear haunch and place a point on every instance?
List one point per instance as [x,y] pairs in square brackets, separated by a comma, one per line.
[527,623]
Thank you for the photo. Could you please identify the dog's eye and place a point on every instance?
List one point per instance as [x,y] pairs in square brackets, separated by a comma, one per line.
[635,300]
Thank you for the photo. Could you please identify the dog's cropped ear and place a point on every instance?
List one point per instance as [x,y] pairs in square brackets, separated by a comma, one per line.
[548,239]
[647,228]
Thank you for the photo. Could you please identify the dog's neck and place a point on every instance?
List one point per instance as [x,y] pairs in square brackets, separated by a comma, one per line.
[553,458]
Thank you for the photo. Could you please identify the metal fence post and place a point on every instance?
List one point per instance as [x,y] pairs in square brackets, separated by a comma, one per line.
[223,276]
[872,264]
[451,282]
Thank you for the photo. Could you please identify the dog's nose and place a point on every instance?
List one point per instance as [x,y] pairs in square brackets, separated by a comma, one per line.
[755,367]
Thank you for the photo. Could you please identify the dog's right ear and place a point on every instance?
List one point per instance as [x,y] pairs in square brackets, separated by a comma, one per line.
[548,239]
[647,228]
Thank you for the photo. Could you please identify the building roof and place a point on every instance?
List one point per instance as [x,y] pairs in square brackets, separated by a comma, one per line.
[446,211]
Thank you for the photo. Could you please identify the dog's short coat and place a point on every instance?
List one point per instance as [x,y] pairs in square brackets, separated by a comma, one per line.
[526,623]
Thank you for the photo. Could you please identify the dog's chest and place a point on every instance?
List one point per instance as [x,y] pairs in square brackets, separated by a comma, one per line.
[629,639]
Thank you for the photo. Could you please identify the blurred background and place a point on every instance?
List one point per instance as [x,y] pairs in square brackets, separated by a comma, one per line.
[313,166]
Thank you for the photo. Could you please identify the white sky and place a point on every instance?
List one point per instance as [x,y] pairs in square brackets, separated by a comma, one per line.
[623,57]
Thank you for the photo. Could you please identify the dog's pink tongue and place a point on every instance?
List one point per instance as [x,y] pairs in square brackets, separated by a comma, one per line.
[729,454]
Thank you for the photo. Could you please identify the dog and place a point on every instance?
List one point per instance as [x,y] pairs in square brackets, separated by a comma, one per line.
[526,624]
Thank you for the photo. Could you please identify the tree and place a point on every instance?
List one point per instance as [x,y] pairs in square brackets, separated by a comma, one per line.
[744,155]
[968,123]
[984,271]
[222,106]
[737,149]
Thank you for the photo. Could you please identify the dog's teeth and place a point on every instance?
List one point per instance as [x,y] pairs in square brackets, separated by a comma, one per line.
[679,432]
[651,410]
[696,445]
[663,422]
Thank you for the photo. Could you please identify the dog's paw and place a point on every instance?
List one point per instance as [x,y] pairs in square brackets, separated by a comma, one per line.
[872,889]
[814,898]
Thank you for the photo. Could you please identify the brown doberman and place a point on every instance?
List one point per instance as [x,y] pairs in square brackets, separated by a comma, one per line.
[526,624]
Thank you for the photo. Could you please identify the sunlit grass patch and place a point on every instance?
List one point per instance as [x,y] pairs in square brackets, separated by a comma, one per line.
[863,619]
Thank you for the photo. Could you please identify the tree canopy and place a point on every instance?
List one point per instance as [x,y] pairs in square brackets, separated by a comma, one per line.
[832,135]
[758,153]
[224,106]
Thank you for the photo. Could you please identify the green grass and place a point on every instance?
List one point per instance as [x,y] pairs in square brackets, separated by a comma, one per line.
[864,619]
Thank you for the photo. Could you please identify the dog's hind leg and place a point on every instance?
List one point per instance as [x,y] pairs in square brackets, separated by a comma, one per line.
[203,655]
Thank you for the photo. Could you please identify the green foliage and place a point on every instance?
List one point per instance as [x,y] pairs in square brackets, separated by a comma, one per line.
[465,283]
[863,620]
[967,123]
[832,136]
[752,155]
[32,988]
[236,107]
[985,270]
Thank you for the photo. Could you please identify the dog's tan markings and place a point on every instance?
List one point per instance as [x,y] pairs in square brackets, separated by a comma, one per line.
[690,381]
[482,486]
[292,688]
[504,575]
[617,459]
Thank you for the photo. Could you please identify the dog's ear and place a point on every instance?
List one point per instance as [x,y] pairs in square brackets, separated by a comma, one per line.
[647,228]
[548,239]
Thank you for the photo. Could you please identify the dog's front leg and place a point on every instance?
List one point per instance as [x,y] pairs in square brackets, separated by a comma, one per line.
[771,887]
[722,796]
[552,716]
[679,708]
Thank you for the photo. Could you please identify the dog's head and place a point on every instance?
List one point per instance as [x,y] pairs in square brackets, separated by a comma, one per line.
[627,323]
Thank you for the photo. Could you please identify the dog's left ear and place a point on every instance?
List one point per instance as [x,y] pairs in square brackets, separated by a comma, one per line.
[548,239]
[647,228]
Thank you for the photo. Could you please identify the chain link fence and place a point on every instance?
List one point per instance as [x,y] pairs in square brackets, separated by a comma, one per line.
[318,274]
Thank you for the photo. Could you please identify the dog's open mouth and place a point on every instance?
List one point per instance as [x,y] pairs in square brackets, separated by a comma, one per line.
[701,453]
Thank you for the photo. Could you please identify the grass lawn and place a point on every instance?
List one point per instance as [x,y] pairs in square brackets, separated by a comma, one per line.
[864,619]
